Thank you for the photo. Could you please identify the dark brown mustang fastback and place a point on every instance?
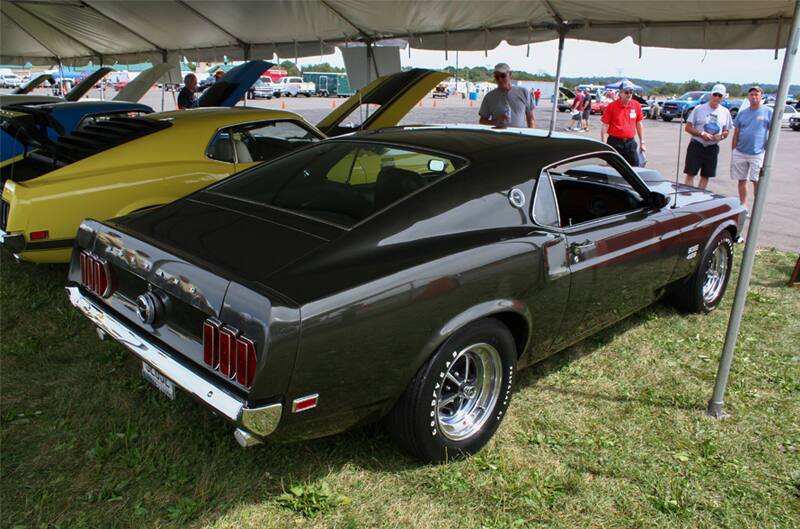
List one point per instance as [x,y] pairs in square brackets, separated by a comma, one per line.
[405,274]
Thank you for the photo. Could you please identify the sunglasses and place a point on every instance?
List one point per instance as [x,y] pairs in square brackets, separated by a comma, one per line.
[717,95]
[627,92]
[499,76]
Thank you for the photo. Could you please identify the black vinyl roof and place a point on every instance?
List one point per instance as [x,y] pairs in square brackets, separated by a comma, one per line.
[484,145]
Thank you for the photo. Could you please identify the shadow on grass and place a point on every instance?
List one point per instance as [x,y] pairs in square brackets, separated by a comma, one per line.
[533,375]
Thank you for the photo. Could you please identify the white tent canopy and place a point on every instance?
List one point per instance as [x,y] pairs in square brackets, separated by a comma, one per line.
[103,31]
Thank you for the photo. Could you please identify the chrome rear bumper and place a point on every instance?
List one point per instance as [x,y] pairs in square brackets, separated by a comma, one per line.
[260,421]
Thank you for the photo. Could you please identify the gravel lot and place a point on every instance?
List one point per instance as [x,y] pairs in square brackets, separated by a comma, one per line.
[777,229]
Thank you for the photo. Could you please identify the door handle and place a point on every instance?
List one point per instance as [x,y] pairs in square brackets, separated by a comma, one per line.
[577,249]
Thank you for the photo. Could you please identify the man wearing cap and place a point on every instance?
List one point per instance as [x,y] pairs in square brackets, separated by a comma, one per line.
[622,121]
[749,142]
[709,124]
[507,105]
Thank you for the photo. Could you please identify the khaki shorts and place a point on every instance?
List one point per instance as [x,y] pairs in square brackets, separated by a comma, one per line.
[746,166]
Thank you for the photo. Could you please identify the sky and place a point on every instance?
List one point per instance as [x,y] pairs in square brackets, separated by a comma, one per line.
[589,59]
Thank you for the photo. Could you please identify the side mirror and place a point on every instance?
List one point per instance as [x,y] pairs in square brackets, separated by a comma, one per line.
[658,200]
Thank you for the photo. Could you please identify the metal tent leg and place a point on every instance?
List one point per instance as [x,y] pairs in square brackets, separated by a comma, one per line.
[716,405]
[561,35]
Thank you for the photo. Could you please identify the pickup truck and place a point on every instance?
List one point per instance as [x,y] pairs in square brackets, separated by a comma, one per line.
[293,86]
[681,107]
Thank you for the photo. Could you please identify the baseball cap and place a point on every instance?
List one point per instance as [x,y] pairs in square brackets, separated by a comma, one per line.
[756,88]
[719,89]
[502,67]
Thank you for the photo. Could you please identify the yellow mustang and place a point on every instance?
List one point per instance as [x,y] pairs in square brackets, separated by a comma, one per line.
[122,165]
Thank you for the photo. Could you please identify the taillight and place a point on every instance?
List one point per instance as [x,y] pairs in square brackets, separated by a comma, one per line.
[211,342]
[228,352]
[96,274]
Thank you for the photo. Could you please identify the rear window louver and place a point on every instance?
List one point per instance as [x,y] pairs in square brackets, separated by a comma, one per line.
[104,135]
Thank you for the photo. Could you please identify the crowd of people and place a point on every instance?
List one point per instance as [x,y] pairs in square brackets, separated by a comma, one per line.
[708,124]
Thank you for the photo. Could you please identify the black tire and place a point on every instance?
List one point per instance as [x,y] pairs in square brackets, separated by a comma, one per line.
[421,428]
[277,95]
[689,295]
[666,118]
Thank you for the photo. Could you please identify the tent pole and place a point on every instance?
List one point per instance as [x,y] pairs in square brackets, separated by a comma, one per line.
[561,33]
[716,404]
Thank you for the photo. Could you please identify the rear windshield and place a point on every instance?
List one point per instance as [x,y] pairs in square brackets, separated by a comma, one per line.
[340,183]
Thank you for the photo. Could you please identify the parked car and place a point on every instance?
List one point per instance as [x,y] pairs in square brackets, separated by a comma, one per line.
[440,90]
[128,164]
[262,90]
[9,80]
[25,124]
[682,107]
[384,275]
[293,86]
[788,113]
[794,122]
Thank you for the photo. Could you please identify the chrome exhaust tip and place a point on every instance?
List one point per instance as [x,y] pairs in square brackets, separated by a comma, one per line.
[245,438]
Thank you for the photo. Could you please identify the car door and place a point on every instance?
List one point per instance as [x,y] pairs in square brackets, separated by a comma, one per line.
[382,103]
[619,259]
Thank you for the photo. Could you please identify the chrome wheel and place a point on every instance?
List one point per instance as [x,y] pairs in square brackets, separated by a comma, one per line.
[716,274]
[468,391]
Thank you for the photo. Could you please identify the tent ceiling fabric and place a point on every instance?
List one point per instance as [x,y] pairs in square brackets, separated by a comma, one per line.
[135,30]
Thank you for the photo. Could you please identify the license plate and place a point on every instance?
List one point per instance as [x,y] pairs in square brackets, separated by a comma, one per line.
[157,379]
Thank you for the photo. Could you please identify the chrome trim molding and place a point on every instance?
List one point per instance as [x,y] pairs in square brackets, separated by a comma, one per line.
[261,421]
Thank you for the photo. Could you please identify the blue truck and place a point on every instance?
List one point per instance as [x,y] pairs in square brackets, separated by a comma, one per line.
[681,107]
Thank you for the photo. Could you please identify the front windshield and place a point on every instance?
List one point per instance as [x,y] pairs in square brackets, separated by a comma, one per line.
[691,96]
[340,182]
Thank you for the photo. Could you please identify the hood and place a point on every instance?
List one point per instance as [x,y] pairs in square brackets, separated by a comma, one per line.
[231,87]
[395,95]
[26,99]
[244,240]
[138,87]
[33,83]
[566,92]
[80,89]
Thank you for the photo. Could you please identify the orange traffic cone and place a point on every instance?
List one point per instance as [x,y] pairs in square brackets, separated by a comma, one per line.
[333,103]
[420,103]
[283,104]
[434,103]
[470,103]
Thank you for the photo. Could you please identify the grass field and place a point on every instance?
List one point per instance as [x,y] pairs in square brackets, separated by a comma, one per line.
[610,433]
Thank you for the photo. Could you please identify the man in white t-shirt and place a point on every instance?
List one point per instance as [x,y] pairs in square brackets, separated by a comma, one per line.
[709,124]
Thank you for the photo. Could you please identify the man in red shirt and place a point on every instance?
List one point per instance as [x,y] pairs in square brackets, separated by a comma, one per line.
[622,120]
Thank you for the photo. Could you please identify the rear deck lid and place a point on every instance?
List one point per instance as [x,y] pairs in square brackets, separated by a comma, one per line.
[33,83]
[231,87]
[394,95]
[235,238]
[80,89]
[137,88]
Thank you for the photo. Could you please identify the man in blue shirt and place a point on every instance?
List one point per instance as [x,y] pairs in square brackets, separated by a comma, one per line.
[750,141]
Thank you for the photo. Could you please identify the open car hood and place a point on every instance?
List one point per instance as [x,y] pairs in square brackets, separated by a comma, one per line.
[566,92]
[231,87]
[80,89]
[395,95]
[33,83]
[138,87]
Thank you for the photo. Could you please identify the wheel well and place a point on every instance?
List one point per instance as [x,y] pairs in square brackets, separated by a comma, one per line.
[732,230]
[518,327]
